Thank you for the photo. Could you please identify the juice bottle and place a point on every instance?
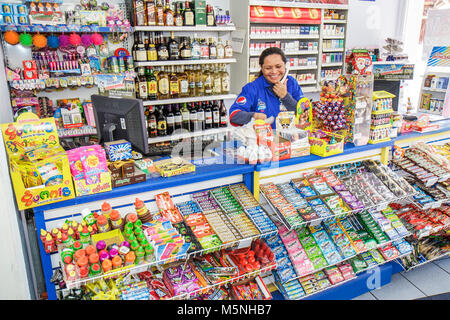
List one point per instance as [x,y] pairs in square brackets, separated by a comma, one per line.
[49,243]
[85,236]
[117,262]
[116,220]
[67,240]
[103,224]
[88,216]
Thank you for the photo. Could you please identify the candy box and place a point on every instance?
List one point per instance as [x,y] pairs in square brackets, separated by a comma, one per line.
[40,135]
[281,148]
[118,150]
[321,147]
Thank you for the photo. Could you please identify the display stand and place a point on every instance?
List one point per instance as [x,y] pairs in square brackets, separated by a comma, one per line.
[123,198]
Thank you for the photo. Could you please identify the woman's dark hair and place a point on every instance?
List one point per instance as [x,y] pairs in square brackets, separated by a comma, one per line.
[269,51]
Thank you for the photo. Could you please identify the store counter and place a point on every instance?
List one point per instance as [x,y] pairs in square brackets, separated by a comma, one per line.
[284,170]
[440,135]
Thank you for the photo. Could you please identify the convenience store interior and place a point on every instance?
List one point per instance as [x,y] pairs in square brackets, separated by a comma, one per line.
[27,270]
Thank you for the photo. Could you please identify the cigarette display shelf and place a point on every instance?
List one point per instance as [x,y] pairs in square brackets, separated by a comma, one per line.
[243,17]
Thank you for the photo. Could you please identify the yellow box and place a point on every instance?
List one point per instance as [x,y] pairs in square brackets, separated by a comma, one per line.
[174,166]
[323,149]
[28,133]
[110,237]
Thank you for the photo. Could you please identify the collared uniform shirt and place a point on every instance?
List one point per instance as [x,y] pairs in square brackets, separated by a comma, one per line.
[257,96]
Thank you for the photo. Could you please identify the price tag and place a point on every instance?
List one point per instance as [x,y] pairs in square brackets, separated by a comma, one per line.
[244,243]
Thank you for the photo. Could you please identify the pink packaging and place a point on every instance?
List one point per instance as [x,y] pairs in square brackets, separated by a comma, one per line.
[76,168]
[93,159]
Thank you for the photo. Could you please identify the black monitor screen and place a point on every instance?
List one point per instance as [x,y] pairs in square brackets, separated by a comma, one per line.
[119,118]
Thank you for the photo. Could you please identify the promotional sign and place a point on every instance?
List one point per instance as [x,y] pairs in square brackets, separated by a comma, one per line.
[39,167]
[398,71]
[439,57]
[285,15]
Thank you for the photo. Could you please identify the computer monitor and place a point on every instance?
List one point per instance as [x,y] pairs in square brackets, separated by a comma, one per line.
[121,118]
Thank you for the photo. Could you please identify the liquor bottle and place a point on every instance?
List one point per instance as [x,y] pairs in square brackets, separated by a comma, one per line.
[199,85]
[142,89]
[163,84]
[193,118]
[152,84]
[215,114]
[195,48]
[152,124]
[174,52]
[191,80]
[159,13]
[228,50]
[208,116]
[185,50]
[163,52]
[210,19]
[183,82]
[212,49]
[185,117]
[207,81]
[216,80]
[173,83]
[220,49]
[139,12]
[141,51]
[189,19]
[134,47]
[204,50]
[225,80]
[178,16]
[223,115]
[170,119]
[177,117]
[152,54]
[151,13]
[162,123]
[169,16]
[200,117]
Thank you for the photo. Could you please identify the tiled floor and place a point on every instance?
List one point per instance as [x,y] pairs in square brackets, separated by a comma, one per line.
[427,280]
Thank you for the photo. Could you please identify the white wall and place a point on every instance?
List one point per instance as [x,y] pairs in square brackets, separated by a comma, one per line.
[369,23]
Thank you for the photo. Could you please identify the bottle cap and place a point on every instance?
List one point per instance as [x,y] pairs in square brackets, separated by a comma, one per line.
[114,215]
[106,207]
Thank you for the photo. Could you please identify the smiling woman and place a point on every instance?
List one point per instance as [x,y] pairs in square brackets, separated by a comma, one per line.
[267,95]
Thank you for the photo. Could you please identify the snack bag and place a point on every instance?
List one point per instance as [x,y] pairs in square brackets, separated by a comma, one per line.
[76,167]
[93,159]
[50,171]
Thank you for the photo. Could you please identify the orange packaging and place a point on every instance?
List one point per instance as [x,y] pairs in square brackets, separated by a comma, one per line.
[83,261]
[130,258]
[117,262]
[79,254]
[93,258]
[90,249]
[106,265]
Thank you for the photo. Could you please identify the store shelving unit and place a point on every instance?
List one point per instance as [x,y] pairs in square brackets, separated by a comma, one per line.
[241,71]
[181,62]
[188,99]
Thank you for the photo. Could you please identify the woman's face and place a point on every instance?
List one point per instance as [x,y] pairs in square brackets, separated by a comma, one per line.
[273,68]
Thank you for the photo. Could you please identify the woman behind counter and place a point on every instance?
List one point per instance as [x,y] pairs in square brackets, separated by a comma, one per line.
[264,97]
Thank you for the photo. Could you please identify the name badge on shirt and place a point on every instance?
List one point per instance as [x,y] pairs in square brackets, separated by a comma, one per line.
[261,106]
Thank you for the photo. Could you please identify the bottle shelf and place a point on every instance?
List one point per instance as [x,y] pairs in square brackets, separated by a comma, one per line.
[325,37]
[292,53]
[77,132]
[293,4]
[182,62]
[333,50]
[333,64]
[224,28]
[188,134]
[65,28]
[285,37]
[334,21]
[434,90]
[188,99]
[291,68]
